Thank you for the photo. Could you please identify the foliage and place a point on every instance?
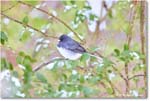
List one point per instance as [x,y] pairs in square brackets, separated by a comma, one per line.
[87,77]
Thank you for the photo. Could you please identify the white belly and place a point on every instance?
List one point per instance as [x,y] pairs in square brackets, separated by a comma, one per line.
[69,54]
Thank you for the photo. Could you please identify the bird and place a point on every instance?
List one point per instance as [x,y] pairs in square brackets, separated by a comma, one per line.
[69,48]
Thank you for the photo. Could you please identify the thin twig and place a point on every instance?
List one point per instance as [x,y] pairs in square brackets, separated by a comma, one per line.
[50,14]
[108,10]
[46,63]
[138,75]
[37,30]
[10,7]
[142,17]
[127,77]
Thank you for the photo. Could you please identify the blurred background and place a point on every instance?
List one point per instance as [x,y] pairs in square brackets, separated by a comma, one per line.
[115,30]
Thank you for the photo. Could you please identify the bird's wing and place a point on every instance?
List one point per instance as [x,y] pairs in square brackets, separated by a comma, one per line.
[75,46]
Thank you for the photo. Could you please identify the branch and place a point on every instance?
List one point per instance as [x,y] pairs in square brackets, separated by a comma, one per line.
[108,10]
[142,37]
[10,7]
[37,30]
[138,75]
[46,63]
[50,14]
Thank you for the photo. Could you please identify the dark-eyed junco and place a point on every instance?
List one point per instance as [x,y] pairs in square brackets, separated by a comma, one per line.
[70,48]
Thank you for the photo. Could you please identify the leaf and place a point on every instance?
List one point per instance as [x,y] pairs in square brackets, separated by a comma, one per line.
[81,79]
[41,77]
[5,64]
[3,37]
[94,80]
[24,36]
[126,47]
[92,16]
[109,90]
[117,52]
[25,20]
[88,7]
[110,14]
[72,2]
[107,62]
[84,57]
[87,91]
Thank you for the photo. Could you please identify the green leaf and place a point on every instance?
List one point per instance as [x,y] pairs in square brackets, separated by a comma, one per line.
[92,16]
[72,2]
[94,80]
[3,37]
[100,68]
[5,64]
[41,77]
[110,14]
[109,90]
[87,91]
[24,35]
[107,62]
[117,52]
[126,47]
[25,20]
[81,79]
[84,57]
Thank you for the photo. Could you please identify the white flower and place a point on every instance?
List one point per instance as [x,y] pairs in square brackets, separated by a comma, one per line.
[46,41]
[39,40]
[16,81]
[20,94]
[54,13]
[45,45]
[135,55]
[71,34]
[77,93]
[74,72]
[50,66]
[21,66]
[5,75]
[111,75]
[60,64]
[63,93]
[134,93]
[38,48]
[68,7]
[6,21]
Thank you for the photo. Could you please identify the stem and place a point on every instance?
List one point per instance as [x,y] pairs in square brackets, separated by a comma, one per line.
[127,77]
[37,30]
[10,7]
[142,17]
[138,75]
[50,14]
[46,63]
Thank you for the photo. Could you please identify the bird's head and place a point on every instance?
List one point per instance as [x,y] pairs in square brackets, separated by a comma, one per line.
[64,37]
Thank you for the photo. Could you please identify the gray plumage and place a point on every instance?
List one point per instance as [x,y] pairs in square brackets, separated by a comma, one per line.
[70,44]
